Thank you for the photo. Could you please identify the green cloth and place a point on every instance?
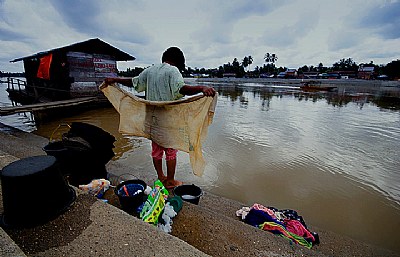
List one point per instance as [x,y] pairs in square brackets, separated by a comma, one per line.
[281,230]
[155,203]
[176,203]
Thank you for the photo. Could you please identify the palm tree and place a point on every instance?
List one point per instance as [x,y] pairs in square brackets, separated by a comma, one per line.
[245,62]
[250,61]
[270,58]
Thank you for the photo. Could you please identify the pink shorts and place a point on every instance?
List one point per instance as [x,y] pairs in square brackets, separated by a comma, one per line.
[157,152]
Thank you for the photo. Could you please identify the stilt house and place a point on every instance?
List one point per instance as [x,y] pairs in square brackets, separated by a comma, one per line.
[71,71]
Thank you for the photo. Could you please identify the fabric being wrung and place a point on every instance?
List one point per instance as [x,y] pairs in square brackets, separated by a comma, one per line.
[181,124]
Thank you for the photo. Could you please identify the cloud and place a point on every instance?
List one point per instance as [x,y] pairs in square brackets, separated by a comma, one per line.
[384,19]
[340,39]
[289,34]
[220,18]
[9,35]
[97,19]
[211,33]
[81,15]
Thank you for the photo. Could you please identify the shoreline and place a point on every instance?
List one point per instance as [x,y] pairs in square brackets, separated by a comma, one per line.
[384,83]
[343,85]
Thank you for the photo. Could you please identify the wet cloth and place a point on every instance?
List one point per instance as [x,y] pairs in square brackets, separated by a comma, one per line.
[296,227]
[286,223]
[281,230]
[181,124]
[257,217]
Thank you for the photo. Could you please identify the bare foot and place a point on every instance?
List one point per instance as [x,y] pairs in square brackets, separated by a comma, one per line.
[163,179]
[169,184]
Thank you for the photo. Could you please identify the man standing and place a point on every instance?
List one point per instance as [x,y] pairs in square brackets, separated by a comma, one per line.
[164,82]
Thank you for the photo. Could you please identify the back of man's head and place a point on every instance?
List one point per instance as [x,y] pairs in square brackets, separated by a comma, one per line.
[175,56]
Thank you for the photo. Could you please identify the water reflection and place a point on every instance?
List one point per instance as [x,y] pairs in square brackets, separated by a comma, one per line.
[332,155]
[235,93]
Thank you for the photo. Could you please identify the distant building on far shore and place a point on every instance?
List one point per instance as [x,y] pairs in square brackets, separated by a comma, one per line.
[366,72]
[229,75]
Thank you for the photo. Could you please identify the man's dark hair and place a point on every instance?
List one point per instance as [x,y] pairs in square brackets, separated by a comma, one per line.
[175,56]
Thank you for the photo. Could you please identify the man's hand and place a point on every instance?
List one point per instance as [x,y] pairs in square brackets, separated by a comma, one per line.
[123,81]
[208,91]
[192,90]
[109,81]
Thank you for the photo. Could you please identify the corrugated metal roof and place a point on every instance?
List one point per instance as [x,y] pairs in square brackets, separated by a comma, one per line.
[366,69]
[91,46]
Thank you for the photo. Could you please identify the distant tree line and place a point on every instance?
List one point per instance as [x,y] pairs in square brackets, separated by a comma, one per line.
[131,72]
[241,68]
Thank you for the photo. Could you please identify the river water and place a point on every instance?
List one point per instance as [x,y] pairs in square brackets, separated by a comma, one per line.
[333,157]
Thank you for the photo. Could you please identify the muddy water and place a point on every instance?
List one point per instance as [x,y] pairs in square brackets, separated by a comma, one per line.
[333,157]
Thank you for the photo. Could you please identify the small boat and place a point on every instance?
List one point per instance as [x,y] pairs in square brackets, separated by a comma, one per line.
[315,86]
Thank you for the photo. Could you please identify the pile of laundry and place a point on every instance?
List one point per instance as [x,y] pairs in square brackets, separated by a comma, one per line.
[285,223]
[159,209]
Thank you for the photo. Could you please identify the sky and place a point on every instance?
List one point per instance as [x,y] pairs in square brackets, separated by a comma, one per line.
[209,32]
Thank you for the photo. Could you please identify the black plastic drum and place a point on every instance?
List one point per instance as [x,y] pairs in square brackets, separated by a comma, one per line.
[34,192]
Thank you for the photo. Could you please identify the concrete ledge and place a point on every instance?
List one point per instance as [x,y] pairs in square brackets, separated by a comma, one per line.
[93,228]
[89,227]
[8,247]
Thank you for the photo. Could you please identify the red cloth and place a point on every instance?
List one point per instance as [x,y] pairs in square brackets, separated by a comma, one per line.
[44,67]
[297,228]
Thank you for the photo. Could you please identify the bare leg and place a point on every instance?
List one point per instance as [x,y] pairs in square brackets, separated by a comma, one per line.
[171,182]
[158,167]
[171,167]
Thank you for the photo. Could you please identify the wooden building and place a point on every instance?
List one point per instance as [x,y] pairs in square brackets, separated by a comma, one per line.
[229,75]
[365,72]
[72,71]
[291,73]
[309,75]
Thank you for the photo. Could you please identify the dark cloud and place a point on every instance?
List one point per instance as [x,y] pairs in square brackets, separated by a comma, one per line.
[385,19]
[88,17]
[8,35]
[288,35]
[236,10]
[340,40]
[78,14]
[2,9]
[223,16]
[210,32]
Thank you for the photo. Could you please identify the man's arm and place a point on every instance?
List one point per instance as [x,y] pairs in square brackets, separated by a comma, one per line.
[123,81]
[192,90]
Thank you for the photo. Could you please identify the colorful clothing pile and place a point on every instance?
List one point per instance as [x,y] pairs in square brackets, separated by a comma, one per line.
[285,223]
[159,208]
[154,204]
